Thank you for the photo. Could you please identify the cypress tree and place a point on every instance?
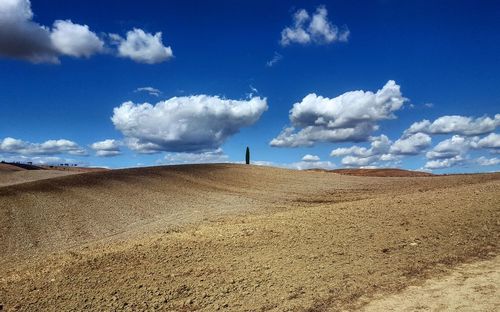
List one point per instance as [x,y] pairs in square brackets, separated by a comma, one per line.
[247,156]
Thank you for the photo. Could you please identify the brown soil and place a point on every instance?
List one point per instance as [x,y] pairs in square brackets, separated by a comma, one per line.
[19,175]
[469,287]
[72,169]
[11,173]
[235,237]
[9,168]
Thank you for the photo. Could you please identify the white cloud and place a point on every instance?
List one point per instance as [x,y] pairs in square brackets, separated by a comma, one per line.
[310,157]
[106,148]
[42,160]
[265,163]
[356,156]
[353,150]
[22,38]
[304,165]
[276,58]
[490,141]
[50,147]
[456,124]
[150,90]
[142,47]
[351,116]
[299,165]
[454,146]
[454,151]
[444,163]
[483,161]
[354,161]
[15,10]
[296,33]
[253,92]
[216,156]
[316,29]
[412,145]
[75,40]
[379,146]
[194,123]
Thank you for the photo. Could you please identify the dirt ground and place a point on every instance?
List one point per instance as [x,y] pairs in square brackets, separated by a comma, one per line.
[468,287]
[236,238]
[23,176]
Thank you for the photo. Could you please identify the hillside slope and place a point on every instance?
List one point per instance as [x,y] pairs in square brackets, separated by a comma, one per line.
[50,215]
[210,237]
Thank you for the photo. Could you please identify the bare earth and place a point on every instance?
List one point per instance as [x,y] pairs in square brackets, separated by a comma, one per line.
[22,176]
[469,287]
[239,238]
[11,174]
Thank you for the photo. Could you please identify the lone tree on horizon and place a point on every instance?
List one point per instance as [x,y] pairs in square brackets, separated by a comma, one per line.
[247,156]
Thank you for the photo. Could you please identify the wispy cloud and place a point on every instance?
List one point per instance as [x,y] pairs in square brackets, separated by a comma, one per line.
[150,90]
[276,58]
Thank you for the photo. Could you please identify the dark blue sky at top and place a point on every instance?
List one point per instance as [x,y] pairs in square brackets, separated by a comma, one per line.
[441,52]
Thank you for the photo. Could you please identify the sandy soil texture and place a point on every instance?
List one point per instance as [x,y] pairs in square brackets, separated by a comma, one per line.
[469,287]
[234,237]
[11,177]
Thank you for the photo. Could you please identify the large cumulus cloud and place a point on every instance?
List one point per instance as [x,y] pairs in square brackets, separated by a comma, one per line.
[22,38]
[352,116]
[185,124]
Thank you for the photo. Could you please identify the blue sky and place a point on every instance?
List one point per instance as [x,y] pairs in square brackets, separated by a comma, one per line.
[218,89]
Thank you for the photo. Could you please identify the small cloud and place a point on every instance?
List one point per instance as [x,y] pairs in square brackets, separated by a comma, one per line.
[304,165]
[142,47]
[444,163]
[310,157]
[313,29]
[216,156]
[107,148]
[429,105]
[75,40]
[483,161]
[253,92]
[300,165]
[149,90]
[276,58]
